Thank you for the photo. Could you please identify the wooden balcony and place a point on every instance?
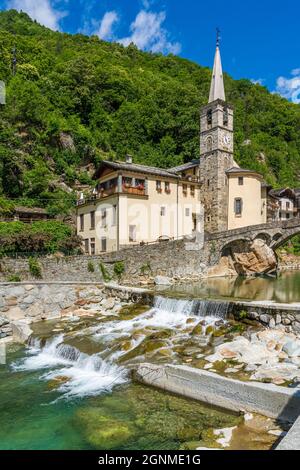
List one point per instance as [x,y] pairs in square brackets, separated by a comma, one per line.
[136,190]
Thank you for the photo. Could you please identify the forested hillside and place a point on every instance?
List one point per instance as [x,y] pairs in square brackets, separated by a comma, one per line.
[75,100]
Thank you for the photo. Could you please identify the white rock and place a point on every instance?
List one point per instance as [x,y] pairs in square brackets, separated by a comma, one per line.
[21,331]
[226,435]
[162,281]
[292,348]
[278,371]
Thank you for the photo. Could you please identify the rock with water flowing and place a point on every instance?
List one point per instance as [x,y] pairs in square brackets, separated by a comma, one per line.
[21,331]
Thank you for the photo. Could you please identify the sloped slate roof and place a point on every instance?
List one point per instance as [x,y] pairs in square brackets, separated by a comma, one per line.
[278,193]
[185,166]
[236,169]
[135,168]
[30,210]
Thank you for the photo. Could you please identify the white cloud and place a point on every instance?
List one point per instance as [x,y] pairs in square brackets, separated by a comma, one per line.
[147,33]
[105,30]
[289,87]
[258,81]
[40,10]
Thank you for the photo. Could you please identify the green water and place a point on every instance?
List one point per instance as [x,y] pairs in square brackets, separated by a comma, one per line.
[285,288]
[33,416]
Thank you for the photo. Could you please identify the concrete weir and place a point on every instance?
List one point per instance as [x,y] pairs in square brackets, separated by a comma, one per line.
[266,399]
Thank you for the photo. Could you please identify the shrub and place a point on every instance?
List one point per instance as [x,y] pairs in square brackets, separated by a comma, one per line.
[146,268]
[242,314]
[35,268]
[38,237]
[105,274]
[14,278]
[91,267]
[119,269]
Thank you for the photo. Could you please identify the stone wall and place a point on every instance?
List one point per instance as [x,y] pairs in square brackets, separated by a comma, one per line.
[141,263]
[273,315]
[28,303]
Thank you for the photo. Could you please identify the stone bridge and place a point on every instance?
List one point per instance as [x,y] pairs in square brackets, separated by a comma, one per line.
[250,250]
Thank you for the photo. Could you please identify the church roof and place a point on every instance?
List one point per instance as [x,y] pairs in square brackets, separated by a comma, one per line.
[238,170]
[185,166]
[135,168]
[217,91]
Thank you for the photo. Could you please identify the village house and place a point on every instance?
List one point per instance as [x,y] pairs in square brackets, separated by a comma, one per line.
[283,204]
[133,203]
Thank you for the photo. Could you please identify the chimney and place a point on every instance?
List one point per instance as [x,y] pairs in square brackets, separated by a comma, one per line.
[129,159]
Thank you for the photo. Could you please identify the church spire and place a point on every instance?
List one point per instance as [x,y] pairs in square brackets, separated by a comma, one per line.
[217,91]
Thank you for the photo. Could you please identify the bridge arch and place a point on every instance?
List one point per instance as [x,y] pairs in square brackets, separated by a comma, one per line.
[284,238]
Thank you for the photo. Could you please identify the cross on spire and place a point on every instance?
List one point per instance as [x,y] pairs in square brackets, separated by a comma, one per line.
[217,91]
[218,36]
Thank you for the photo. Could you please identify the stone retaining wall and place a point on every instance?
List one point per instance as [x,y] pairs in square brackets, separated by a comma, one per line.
[141,263]
[34,302]
[271,315]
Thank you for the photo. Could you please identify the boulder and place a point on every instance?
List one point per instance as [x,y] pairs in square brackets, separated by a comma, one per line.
[162,281]
[292,348]
[108,304]
[3,321]
[253,258]
[21,331]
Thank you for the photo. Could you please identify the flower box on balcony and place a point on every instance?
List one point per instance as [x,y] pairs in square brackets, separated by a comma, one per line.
[168,191]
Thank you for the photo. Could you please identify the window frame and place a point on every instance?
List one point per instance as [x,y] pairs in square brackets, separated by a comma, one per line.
[92,220]
[236,201]
[81,223]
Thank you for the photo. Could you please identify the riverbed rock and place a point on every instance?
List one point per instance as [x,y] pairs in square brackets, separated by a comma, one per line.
[108,304]
[292,348]
[162,281]
[21,331]
[283,372]
[3,321]
[265,318]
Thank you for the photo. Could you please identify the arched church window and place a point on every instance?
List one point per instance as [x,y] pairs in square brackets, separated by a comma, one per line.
[225,117]
[209,117]
[209,144]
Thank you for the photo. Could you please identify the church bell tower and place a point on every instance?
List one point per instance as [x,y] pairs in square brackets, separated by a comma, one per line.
[216,151]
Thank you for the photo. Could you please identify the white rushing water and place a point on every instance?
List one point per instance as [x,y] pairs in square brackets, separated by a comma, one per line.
[84,374]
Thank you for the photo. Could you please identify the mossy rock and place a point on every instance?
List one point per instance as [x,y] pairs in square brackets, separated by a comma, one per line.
[210,330]
[188,433]
[57,382]
[126,345]
[198,330]
[153,345]
[220,366]
[104,432]
[160,334]
[191,445]
[128,312]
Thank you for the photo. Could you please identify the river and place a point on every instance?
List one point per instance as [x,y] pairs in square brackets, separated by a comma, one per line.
[71,387]
[283,288]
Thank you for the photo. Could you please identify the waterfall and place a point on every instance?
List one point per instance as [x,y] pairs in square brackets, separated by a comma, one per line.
[200,308]
[83,374]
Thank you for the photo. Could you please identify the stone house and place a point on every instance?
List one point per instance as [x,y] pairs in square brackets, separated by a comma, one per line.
[283,204]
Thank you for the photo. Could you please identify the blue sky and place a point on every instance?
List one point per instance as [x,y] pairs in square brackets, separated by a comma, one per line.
[259,38]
